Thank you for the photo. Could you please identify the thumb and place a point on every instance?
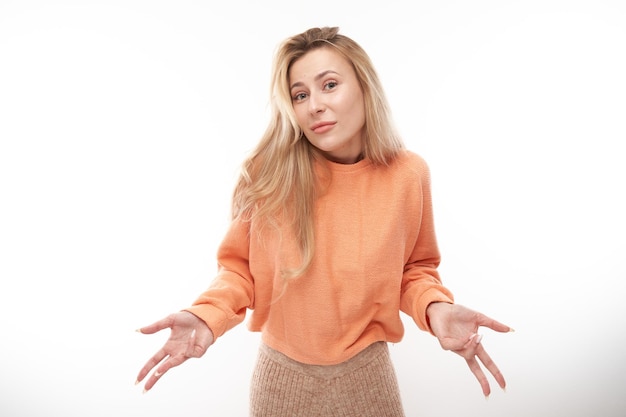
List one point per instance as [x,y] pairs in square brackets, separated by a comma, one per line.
[191,344]
[156,326]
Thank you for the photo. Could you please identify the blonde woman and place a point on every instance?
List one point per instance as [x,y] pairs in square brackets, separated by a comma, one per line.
[331,238]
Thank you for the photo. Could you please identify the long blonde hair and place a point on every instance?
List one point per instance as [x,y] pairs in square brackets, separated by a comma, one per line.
[277,180]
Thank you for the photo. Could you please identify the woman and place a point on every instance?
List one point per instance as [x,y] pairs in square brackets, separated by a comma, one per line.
[332,236]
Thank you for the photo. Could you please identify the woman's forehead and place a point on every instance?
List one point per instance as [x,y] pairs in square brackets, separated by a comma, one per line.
[316,62]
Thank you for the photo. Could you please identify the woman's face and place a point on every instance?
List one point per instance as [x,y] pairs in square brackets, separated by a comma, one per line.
[328,103]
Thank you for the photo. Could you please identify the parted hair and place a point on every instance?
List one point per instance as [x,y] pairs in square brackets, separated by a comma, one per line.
[277,182]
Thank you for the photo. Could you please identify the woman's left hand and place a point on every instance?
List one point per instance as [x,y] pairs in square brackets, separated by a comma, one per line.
[456,327]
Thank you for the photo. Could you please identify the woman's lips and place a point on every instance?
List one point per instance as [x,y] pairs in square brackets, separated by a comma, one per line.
[322,127]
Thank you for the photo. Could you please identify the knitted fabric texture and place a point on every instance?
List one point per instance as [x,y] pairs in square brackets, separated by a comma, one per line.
[364,386]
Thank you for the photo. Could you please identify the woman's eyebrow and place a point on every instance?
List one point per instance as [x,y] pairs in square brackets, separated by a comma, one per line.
[317,77]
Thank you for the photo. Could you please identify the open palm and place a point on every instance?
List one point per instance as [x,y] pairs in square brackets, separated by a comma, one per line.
[456,328]
[190,337]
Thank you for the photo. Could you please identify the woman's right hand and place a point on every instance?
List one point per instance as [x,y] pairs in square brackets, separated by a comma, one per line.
[190,337]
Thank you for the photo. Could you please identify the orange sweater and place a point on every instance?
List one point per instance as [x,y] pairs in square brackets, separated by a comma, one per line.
[375,255]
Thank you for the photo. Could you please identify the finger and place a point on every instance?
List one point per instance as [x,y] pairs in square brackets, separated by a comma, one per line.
[479,374]
[473,340]
[156,326]
[154,361]
[191,346]
[491,366]
[153,379]
[486,321]
[468,350]
[457,344]
[167,364]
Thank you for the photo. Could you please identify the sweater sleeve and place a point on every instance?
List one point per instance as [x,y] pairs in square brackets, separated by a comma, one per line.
[223,305]
[421,284]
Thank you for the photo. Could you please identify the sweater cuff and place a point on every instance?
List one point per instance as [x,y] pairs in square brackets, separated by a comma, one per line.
[214,318]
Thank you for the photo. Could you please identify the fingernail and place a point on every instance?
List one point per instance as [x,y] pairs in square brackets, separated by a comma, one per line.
[157,374]
[138,330]
[136,381]
[472,336]
[487,397]
[144,391]
[479,338]
[511,330]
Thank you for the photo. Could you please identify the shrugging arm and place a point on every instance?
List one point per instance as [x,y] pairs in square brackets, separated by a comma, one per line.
[223,305]
[421,284]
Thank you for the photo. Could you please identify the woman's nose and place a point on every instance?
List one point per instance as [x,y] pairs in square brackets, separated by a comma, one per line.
[316,104]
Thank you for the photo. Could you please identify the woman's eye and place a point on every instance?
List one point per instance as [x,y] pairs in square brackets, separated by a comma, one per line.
[330,85]
[299,96]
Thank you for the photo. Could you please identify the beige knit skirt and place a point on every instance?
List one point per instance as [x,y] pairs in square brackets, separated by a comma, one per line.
[364,386]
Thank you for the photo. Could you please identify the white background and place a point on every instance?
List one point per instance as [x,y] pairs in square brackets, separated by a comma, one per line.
[122,126]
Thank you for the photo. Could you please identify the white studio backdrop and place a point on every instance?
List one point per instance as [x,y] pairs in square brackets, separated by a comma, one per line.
[122,126]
